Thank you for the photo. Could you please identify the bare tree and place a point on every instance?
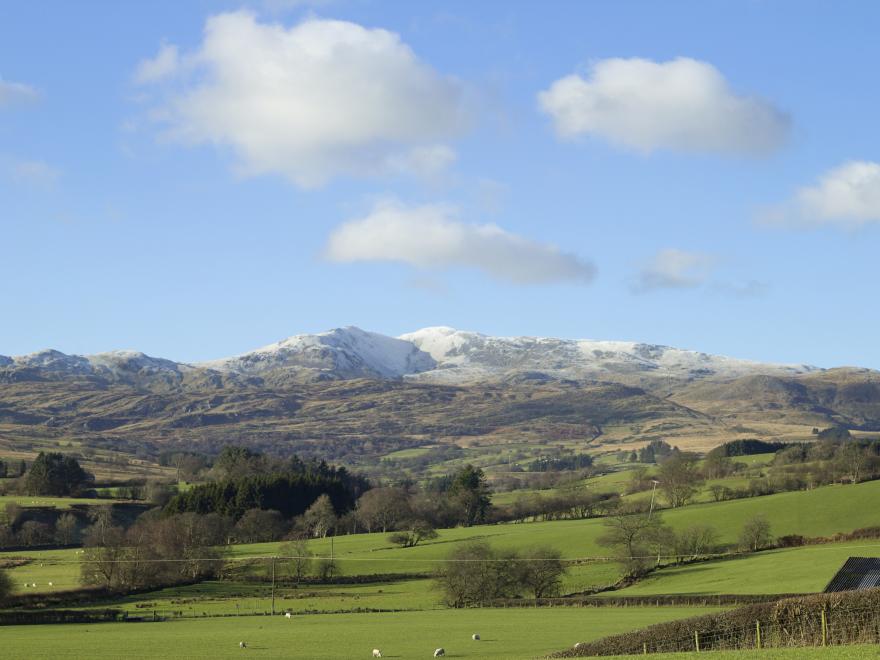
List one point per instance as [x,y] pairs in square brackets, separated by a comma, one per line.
[320,517]
[633,538]
[679,478]
[65,529]
[755,534]
[299,557]
[382,509]
[696,541]
[542,571]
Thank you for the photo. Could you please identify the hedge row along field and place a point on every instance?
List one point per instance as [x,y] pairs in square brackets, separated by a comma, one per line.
[820,620]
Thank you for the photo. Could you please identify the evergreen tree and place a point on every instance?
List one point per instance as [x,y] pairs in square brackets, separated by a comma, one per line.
[53,473]
[470,492]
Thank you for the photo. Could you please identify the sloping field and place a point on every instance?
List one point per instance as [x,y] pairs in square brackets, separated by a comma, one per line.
[818,512]
[788,571]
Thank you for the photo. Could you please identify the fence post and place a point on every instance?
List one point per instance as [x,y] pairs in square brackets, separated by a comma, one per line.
[757,634]
[645,648]
[697,640]
[824,628]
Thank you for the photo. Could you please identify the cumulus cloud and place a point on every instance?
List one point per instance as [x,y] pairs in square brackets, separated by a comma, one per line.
[13,92]
[674,269]
[310,102]
[164,65]
[432,236]
[682,105]
[847,196]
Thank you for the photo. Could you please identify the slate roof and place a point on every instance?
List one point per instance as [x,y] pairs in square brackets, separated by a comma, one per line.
[856,573]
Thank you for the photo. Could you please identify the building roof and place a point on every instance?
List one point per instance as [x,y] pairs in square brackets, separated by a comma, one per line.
[855,574]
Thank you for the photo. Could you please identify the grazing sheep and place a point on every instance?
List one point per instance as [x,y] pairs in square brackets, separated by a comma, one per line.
[242,645]
[377,653]
[33,584]
[50,584]
[439,652]
[475,637]
[288,615]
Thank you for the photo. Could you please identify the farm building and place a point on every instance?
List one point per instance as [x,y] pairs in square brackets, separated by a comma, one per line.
[856,573]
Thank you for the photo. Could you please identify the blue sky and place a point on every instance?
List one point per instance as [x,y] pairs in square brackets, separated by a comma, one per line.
[197,179]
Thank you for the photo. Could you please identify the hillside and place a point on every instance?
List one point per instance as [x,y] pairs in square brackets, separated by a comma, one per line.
[355,396]
[350,419]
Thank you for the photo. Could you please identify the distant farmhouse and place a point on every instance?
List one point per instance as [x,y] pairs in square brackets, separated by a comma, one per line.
[857,573]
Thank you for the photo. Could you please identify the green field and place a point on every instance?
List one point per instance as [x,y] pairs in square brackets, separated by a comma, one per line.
[60,567]
[792,570]
[617,480]
[57,502]
[818,512]
[515,634]
[214,598]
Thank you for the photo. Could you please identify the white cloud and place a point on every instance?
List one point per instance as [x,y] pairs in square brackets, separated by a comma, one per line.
[432,236]
[674,269]
[12,92]
[313,101]
[847,196]
[34,172]
[682,105]
[164,65]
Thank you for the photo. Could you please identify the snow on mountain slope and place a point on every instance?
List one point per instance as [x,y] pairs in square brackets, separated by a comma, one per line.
[129,367]
[54,362]
[343,352]
[468,355]
[123,365]
[440,354]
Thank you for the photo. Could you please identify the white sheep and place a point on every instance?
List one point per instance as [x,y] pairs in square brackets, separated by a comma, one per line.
[377,653]
[33,584]
[439,652]
[50,584]
[242,645]
[288,615]
[475,637]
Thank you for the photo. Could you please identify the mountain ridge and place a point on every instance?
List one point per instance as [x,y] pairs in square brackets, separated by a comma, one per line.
[435,354]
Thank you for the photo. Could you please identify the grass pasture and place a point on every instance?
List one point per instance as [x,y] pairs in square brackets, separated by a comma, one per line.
[227,598]
[786,571]
[819,512]
[26,501]
[510,634]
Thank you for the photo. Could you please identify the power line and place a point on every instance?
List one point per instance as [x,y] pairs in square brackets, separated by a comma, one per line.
[570,560]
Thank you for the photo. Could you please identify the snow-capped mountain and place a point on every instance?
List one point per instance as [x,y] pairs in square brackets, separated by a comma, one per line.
[447,355]
[464,355]
[343,352]
[439,354]
[130,367]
